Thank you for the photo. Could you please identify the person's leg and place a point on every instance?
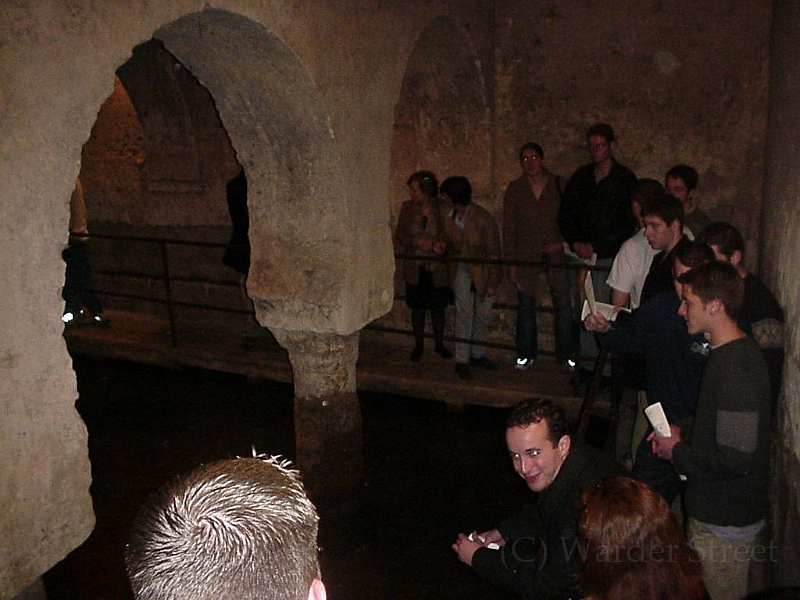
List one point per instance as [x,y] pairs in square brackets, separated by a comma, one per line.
[625,427]
[602,291]
[640,423]
[587,343]
[726,565]
[527,337]
[481,320]
[464,312]
[418,325]
[72,298]
[563,323]
[88,298]
[437,323]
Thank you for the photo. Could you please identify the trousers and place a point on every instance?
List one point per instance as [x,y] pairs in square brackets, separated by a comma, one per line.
[473,316]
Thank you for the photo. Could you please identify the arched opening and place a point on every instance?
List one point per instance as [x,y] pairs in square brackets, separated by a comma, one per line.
[442,123]
[278,127]
[205,112]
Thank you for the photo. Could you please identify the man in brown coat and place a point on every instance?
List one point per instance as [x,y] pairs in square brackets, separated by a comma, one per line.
[530,233]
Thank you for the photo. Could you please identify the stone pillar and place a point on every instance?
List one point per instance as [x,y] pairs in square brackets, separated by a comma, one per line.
[327,417]
[780,268]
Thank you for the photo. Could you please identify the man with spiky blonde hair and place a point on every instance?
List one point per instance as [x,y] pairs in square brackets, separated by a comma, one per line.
[239,529]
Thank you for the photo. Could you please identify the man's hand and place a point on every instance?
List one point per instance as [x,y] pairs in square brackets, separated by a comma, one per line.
[553,248]
[583,249]
[425,243]
[663,446]
[596,322]
[466,548]
[490,537]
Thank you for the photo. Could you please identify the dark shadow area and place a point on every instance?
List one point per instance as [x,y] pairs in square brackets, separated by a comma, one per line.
[430,472]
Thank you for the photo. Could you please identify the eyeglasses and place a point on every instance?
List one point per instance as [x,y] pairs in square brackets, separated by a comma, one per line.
[531,159]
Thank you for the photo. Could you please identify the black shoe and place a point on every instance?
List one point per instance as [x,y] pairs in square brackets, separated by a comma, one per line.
[483,361]
[463,371]
[444,352]
[416,355]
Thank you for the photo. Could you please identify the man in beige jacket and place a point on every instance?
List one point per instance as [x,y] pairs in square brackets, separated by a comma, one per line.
[472,234]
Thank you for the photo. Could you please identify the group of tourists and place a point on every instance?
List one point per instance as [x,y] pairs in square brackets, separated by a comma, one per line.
[701,336]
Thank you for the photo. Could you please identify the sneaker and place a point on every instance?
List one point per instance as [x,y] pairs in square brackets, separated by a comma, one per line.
[416,355]
[570,364]
[444,352]
[483,361]
[523,364]
[463,371]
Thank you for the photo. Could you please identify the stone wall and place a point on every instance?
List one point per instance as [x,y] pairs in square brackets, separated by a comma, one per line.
[780,223]
[480,81]
[329,106]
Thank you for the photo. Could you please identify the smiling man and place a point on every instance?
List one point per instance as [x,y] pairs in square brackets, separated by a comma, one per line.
[536,555]
[726,458]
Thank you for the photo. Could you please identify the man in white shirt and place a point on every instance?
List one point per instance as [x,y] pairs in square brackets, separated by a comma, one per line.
[632,262]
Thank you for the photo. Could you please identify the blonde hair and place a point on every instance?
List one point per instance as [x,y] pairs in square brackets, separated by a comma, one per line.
[241,528]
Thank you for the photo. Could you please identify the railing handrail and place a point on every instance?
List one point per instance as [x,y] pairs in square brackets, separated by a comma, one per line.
[170,303]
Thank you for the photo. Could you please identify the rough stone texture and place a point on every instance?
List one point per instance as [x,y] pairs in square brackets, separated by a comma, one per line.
[780,224]
[327,416]
[329,106]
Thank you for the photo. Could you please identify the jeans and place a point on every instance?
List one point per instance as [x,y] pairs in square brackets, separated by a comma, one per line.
[527,341]
[602,293]
[472,316]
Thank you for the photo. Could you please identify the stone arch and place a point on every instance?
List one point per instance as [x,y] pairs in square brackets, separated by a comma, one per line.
[279,128]
[442,116]
[304,275]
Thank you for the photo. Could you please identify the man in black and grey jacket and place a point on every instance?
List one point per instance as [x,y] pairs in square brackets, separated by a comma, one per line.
[535,553]
[725,454]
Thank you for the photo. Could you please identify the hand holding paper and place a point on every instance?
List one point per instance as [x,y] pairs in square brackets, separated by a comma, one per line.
[655,414]
[591,306]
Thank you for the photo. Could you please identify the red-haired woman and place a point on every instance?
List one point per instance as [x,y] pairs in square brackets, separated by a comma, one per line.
[634,546]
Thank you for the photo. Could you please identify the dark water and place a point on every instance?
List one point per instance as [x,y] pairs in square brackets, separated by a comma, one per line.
[430,473]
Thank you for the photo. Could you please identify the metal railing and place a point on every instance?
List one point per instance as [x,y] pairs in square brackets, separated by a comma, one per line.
[168,300]
[171,303]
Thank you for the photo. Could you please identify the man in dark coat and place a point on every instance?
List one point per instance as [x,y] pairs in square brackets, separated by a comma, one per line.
[534,553]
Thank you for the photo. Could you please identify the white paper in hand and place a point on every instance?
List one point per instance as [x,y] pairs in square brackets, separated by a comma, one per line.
[591,306]
[491,546]
[655,414]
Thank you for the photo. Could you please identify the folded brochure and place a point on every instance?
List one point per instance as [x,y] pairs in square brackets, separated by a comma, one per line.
[592,306]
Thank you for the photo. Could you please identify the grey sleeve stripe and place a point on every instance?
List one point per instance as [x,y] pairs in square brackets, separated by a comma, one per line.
[768,333]
[738,430]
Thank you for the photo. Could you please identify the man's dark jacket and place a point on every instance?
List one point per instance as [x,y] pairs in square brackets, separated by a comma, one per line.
[540,558]
[598,212]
